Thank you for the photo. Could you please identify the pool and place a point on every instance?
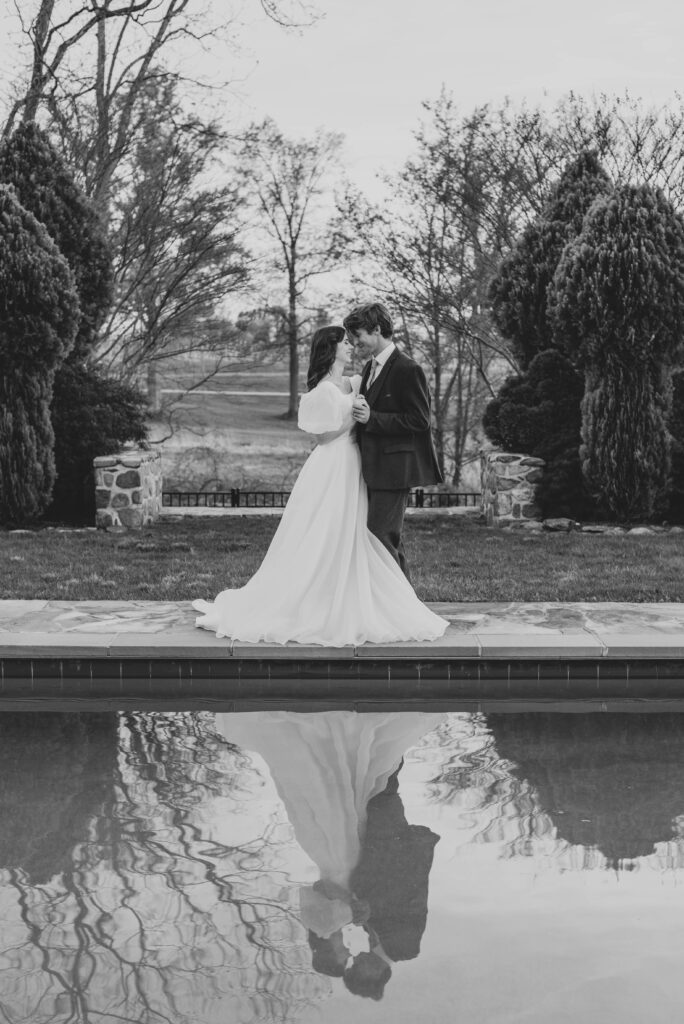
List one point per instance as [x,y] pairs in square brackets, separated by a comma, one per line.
[387,866]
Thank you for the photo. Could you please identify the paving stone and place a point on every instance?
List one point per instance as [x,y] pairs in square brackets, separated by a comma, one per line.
[43,645]
[560,524]
[642,645]
[452,645]
[196,644]
[11,611]
[512,645]
[242,649]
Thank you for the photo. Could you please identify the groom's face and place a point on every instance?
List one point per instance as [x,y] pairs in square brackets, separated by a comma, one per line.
[368,343]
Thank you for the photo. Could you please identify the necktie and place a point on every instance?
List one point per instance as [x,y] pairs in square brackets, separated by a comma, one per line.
[374,371]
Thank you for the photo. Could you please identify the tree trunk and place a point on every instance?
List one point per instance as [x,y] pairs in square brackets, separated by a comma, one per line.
[293,340]
[439,411]
[438,437]
[456,476]
[153,392]
[461,417]
[40,31]
[103,176]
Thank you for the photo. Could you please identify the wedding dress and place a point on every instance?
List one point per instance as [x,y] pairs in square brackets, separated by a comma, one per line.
[325,578]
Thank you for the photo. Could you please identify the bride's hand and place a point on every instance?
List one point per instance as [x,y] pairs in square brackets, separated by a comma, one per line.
[360,410]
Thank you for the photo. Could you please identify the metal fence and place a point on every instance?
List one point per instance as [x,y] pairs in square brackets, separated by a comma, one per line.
[237,498]
[419,498]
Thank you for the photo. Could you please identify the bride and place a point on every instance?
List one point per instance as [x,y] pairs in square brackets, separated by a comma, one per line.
[325,579]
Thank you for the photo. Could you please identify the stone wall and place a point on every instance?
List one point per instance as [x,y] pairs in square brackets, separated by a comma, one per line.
[508,484]
[128,488]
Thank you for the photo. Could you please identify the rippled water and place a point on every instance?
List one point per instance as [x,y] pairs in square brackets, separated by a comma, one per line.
[395,867]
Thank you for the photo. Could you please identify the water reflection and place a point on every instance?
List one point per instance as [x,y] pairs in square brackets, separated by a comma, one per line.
[205,868]
[609,783]
[142,914]
[56,774]
[589,790]
[337,775]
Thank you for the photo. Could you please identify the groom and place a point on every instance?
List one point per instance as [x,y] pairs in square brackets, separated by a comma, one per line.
[392,413]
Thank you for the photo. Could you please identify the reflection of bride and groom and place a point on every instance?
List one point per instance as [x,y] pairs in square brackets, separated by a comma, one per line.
[337,776]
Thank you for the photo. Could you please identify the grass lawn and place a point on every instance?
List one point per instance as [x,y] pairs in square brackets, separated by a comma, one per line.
[451,560]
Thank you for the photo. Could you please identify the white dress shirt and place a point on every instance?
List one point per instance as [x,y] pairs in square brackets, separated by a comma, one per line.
[379,361]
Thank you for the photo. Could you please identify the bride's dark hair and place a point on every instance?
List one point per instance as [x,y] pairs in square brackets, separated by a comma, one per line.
[323,351]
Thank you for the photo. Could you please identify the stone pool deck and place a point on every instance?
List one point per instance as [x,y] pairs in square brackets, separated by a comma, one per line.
[133,651]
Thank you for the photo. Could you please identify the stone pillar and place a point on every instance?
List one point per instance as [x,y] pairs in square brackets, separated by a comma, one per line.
[128,488]
[509,488]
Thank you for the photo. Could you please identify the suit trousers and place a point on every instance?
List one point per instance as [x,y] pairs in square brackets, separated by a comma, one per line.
[386,520]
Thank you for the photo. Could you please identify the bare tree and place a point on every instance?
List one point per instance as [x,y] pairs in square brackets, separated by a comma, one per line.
[637,144]
[122,40]
[432,246]
[290,186]
[53,38]
[176,240]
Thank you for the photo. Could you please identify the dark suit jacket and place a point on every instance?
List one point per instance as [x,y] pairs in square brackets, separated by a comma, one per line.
[396,445]
[392,874]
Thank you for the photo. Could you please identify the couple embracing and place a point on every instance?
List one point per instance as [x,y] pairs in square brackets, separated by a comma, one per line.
[335,572]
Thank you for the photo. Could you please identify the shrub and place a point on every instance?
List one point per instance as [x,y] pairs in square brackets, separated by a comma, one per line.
[92,416]
[538,413]
[676,428]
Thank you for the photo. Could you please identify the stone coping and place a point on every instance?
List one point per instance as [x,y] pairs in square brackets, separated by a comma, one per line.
[148,654]
[156,630]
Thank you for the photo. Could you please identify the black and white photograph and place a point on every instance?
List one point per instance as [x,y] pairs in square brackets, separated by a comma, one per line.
[341,512]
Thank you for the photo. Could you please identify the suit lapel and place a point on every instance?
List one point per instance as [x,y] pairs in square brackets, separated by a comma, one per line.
[376,386]
[364,377]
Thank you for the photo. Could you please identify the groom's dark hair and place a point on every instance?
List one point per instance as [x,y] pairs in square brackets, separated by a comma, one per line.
[367,976]
[367,317]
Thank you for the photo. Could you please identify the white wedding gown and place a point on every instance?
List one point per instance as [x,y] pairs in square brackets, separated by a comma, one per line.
[325,578]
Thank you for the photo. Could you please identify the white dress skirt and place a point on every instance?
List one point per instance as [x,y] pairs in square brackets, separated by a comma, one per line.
[325,579]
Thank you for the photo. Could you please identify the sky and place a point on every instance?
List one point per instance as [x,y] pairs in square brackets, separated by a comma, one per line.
[364,67]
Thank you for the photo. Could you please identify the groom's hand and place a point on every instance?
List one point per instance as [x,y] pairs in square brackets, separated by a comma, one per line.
[361,410]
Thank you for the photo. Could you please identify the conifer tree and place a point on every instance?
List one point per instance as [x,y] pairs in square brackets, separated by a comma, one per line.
[538,412]
[81,396]
[46,187]
[39,317]
[519,290]
[618,302]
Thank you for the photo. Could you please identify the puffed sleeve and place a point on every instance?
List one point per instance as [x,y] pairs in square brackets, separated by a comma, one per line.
[320,410]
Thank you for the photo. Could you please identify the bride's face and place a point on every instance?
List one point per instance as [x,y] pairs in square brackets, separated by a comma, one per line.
[344,352]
